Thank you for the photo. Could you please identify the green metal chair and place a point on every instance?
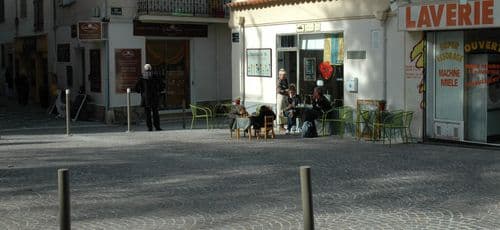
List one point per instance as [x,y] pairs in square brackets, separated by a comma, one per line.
[365,123]
[344,118]
[199,112]
[221,112]
[392,123]
[408,118]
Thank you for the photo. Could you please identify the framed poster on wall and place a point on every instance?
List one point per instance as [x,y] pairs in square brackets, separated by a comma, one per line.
[127,67]
[309,69]
[259,62]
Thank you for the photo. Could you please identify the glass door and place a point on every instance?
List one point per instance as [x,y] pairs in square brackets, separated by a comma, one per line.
[170,59]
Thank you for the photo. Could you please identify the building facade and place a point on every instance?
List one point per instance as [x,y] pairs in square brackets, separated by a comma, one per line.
[435,58]
[461,48]
[100,46]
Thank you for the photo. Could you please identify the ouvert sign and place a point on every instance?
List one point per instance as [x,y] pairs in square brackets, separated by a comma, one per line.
[451,15]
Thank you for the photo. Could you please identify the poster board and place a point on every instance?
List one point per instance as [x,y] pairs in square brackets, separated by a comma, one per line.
[259,62]
[309,69]
[127,67]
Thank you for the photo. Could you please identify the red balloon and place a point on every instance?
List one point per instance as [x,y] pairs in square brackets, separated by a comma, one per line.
[326,70]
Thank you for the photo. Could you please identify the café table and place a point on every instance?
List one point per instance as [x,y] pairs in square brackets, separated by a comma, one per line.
[242,123]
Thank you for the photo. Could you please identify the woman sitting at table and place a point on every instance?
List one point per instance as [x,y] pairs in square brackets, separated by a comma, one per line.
[237,110]
[290,111]
[258,121]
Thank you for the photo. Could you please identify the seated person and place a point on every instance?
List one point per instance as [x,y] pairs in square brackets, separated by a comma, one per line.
[320,105]
[291,111]
[236,111]
[243,112]
[258,121]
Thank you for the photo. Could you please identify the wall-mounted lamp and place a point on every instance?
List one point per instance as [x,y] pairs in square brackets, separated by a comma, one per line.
[241,21]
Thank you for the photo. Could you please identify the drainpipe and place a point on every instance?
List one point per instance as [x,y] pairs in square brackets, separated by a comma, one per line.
[241,22]
[382,17]
[217,71]
[384,71]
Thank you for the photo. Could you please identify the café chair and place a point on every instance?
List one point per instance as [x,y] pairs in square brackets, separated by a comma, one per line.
[344,118]
[364,123]
[221,113]
[199,112]
[267,128]
[399,121]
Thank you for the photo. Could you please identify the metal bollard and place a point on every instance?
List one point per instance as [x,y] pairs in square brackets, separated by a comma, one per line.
[64,199]
[68,114]
[307,203]
[128,110]
[184,113]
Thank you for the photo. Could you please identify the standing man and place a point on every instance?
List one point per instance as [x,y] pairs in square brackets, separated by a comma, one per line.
[149,86]
[282,95]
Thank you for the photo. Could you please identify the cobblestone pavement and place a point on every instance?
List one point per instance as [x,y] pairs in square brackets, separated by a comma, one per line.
[203,179]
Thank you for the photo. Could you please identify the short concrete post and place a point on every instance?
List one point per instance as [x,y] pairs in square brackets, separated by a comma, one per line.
[128,110]
[64,200]
[307,203]
[68,114]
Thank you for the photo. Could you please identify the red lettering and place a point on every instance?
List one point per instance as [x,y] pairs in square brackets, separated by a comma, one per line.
[424,18]
[436,16]
[477,12]
[487,12]
[449,82]
[464,14]
[449,73]
[451,14]
[409,22]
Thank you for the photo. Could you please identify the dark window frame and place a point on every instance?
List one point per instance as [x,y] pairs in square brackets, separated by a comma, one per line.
[38,15]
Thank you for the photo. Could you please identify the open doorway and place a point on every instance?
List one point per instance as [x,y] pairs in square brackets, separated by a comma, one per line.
[287,60]
[321,64]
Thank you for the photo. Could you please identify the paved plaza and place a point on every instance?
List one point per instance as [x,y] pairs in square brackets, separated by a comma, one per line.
[203,179]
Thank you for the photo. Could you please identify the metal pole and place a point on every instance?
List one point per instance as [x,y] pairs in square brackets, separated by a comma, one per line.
[128,110]
[64,199]
[307,204]
[68,115]
[184,113]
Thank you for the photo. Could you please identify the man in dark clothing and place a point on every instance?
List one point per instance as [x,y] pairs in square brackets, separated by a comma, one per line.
[320,105]
[149,86]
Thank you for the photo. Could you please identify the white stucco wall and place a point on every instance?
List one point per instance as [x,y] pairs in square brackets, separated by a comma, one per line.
[210,66]
[121,37]
[357,35]
[210,62]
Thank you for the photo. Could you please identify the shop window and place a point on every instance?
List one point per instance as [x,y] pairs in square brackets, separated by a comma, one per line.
[287,41]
